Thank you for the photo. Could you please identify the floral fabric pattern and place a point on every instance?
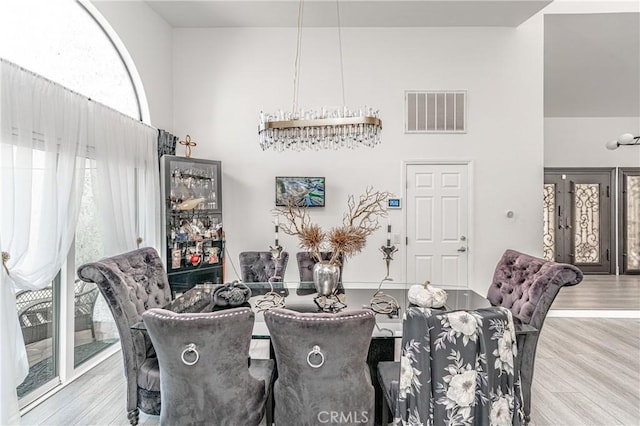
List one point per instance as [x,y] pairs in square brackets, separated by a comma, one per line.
[457,368]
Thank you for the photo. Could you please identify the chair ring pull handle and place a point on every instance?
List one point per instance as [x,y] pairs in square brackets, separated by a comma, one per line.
[315,351]
[191,347]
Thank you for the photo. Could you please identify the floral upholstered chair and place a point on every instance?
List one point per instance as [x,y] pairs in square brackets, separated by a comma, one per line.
[456,368]
[527,286]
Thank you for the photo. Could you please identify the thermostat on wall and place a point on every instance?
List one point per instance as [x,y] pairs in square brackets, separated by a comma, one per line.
[394,203]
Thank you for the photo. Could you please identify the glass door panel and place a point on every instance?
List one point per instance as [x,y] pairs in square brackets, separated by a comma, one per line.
[37,318]
[586,208]
[94,327]
[549,230]
[630,224]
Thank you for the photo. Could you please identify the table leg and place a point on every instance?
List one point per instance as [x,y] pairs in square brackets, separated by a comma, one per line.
[381,349]
[272,399]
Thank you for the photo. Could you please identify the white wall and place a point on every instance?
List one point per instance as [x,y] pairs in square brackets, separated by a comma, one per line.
[580,142]
[148,38]
[224,77]
[592,6]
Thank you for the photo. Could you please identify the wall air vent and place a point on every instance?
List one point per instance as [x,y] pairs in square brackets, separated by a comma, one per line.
[436,111]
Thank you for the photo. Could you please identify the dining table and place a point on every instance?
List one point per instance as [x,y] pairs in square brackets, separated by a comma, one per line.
[388,299]
[302,297]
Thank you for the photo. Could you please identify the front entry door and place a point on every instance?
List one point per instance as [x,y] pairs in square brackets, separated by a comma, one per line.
[437,223]
[629,236]
[577,218]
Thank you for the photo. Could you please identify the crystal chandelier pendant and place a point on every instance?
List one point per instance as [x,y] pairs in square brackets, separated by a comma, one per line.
[325,129]
[315,130]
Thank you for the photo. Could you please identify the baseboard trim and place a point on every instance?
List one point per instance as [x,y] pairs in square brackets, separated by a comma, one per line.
[590,313]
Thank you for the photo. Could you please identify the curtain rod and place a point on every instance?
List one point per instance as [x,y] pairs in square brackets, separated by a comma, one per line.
[88,99]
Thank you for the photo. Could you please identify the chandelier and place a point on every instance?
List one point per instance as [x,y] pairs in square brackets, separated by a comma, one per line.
[323,128]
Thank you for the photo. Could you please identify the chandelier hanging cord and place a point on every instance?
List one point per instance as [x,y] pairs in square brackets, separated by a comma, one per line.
[296,63]
[340,46]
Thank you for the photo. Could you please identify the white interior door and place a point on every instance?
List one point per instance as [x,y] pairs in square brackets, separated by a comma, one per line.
[437,223]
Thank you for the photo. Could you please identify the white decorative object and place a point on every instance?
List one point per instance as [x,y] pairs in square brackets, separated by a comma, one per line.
[426,296]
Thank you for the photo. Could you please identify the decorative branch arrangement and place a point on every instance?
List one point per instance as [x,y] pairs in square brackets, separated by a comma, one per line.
[360,221]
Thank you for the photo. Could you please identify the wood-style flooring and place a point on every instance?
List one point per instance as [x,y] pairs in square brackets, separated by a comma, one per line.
[587,373]
[587,369]
[601,292]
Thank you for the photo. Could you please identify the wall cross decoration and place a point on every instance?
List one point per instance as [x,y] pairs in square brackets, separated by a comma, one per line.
[188,143]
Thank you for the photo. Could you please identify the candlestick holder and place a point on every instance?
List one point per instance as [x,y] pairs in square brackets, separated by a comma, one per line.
[388,252]
[276,251]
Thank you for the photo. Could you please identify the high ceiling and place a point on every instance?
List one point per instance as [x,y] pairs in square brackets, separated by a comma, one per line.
[353,13]
[592,65]
[591,60]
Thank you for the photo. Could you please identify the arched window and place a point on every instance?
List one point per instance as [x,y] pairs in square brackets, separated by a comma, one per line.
[70,43]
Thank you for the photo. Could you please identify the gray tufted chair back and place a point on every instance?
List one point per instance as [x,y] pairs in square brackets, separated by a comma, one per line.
[204,375]
[527,286]
[258,266]
[131,283]
[340,381]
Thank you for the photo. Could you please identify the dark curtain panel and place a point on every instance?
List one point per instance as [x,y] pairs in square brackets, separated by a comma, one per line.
[166,143]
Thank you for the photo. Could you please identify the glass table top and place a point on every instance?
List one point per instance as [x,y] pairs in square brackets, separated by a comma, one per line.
[388,299]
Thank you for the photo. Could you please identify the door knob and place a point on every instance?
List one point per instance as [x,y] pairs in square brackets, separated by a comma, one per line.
[462,249]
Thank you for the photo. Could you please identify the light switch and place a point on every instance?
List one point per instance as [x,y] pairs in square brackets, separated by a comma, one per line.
[396,239]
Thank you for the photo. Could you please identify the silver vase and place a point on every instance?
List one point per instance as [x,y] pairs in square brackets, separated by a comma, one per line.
[326,277]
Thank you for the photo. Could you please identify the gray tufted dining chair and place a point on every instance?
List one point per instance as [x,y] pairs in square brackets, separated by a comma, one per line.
[204,376]
[322,369]
[259,267]
[527,286]
[132,283]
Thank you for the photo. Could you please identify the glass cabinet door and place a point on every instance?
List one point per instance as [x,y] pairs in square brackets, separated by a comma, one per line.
[192,231]
[193,184]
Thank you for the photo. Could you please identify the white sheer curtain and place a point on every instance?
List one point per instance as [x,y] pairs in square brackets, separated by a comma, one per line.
[43,134]
[126,181]
[46,134]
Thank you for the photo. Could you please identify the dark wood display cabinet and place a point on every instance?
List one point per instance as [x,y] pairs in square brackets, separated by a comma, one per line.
[193,236]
